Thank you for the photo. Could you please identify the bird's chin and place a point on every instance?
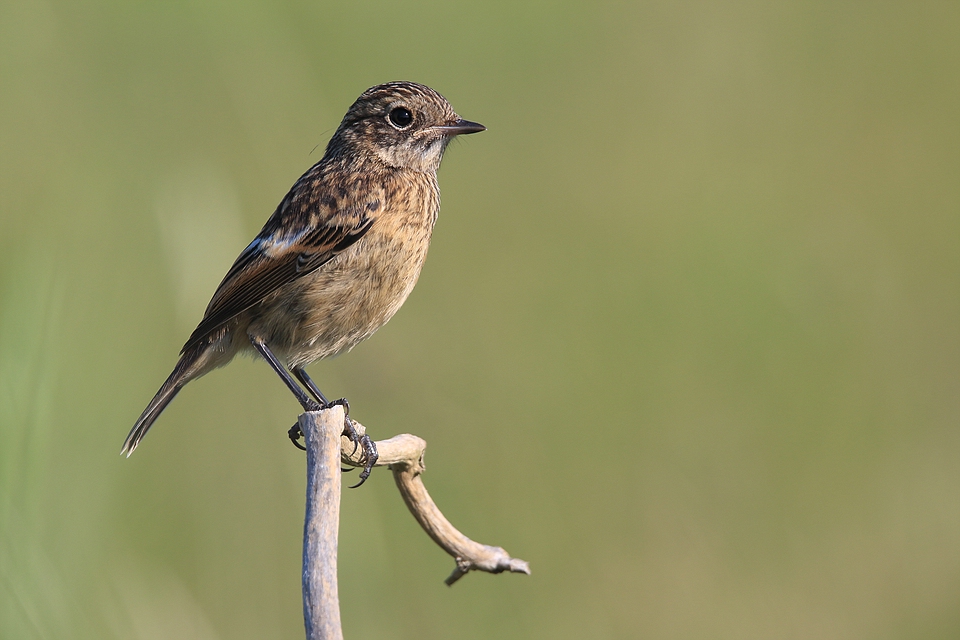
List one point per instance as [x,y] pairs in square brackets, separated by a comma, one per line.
[423,155]
[434,154]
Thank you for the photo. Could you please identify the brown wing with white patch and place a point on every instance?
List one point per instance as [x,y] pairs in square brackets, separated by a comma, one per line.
[306,231]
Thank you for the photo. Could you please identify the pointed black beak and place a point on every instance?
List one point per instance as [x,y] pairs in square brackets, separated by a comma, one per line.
[461,127]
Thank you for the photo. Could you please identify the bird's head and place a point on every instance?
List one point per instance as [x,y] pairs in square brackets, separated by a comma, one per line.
[404,124]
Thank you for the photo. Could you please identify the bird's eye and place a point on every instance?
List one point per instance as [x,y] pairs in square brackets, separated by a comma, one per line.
[401,117]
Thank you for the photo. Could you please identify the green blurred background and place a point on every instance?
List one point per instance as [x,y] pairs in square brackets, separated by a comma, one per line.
[688,339]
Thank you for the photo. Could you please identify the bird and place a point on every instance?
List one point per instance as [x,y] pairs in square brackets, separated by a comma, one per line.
[338,257]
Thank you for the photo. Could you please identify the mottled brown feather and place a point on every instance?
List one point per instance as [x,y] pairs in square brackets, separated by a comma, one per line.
[341,252]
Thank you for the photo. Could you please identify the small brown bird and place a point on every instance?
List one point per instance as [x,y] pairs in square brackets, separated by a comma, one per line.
[338,257]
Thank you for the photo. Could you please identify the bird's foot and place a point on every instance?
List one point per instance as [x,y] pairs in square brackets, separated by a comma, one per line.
[370,454]
[342,402]
[309,404]
[348,428]
[295,434]
[364,441]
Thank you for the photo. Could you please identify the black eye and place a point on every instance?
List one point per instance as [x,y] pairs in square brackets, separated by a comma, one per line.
[401,117]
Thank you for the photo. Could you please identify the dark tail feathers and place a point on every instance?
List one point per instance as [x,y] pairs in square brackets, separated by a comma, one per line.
[184,372]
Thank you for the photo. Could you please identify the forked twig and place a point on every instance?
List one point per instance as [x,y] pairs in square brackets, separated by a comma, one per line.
[403,454]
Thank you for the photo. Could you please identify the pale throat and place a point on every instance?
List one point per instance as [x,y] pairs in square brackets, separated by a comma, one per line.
[411,156]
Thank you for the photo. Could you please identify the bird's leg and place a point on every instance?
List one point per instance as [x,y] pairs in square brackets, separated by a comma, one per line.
[370,457]
[311,386]
[305,401]
[370,454]
[308,404]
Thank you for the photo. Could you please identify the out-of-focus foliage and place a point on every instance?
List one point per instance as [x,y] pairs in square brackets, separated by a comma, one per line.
[688,339]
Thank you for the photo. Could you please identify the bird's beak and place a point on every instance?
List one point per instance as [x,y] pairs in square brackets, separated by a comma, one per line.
[461,127]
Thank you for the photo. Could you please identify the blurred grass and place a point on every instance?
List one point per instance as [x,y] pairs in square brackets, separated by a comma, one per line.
[687,339]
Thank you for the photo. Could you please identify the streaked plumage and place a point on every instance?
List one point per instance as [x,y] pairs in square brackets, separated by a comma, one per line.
[340,254]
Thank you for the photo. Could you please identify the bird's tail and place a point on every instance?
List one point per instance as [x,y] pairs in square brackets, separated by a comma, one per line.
[189,366]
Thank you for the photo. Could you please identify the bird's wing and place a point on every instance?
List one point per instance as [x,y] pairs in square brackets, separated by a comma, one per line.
[306,231]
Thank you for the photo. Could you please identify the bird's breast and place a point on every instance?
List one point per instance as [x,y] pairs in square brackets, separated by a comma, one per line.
[346,300]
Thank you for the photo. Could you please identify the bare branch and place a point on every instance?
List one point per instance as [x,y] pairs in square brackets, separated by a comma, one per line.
[327,449]
[404,455]
[321,603]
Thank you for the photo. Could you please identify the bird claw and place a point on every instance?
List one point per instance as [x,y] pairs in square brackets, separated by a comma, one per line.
[342,402]
[364,441]
[370,454]
[351,432]
[311,405]
[370,457]
[295,434]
